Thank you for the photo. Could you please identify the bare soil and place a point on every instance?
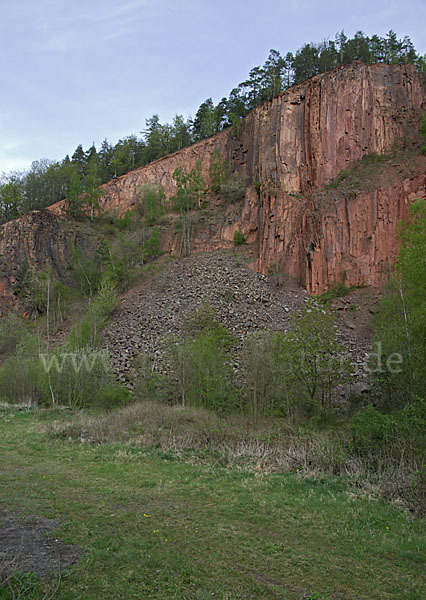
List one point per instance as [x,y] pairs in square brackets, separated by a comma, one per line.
[28,545]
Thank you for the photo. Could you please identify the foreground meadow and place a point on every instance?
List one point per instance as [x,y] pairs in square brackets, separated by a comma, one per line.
[149,523]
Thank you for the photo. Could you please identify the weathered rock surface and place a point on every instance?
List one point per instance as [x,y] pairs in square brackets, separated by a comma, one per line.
[290,147]
[287,149]
[350,238]
[39,239]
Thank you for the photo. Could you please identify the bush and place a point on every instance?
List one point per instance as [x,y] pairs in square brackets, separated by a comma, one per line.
[316,358]
[200,363]
[373,430]
[151,203]
[268,385]
[423,132]
[86,271]
[234,188]
[75,378]
[33,289]
[150,385]
[338,290]
[12,330]
[152,247]
[219,172]
[112,396]
[126,221]
[400,325]
[21,375]
[231,186]
[239,238]
[78,377]
[85,333]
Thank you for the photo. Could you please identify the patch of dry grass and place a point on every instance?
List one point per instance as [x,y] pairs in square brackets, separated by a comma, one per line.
[235,441]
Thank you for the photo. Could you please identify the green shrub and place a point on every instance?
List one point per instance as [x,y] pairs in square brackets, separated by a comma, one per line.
[112,396]
[316,357]
[239,238]
[125,222]
[106,300]
[373,430]
[33,288]
[74,378]
[373,158]
[86,271]
[337,290]
[234,188]
[151,203]
[125,254]
[219,171]
[423,132]
[231,186]
[200,363]
[85,333]
[268,385]
[152,247]
[150,385]
[12,330]
[21,375]
[370,430]
[400,325]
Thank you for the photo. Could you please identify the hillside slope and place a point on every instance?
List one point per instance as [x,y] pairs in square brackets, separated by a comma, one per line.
[244,302]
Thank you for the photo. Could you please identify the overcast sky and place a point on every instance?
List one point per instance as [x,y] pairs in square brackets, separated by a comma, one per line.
[77,71]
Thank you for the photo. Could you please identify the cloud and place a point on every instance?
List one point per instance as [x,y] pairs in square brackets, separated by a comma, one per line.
[82,70]
[63,28]
[9,164]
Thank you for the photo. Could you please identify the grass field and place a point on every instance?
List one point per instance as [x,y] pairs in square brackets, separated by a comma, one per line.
[157,525]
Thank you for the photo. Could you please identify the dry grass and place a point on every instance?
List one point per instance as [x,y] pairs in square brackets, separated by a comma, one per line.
[235,441]
[15,585]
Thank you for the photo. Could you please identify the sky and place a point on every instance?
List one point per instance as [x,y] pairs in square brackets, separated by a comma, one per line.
[76,72]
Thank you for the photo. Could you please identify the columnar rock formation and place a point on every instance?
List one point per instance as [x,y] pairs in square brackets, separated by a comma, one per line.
[294,145]
[288,149]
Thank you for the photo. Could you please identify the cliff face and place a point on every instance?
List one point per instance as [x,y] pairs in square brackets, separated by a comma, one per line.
[289,148]
[351,238]
[39,239]
[294,145]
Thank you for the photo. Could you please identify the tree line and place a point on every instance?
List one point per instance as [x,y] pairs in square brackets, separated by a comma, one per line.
[48,181]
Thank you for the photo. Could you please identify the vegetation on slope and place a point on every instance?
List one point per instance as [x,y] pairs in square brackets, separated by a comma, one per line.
[258,466]
[289,375]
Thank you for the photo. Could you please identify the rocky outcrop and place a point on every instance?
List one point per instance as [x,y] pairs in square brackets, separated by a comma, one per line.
[357,238]
[288,149]
[41,240]
[294,145]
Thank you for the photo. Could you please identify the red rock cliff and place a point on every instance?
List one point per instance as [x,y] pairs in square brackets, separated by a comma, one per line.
[292,146]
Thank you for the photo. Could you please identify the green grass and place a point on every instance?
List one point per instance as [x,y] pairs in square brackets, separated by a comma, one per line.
[363,170]
[152,525]
[338,290]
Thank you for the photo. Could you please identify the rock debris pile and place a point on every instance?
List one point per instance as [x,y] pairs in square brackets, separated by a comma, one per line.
[244,301]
